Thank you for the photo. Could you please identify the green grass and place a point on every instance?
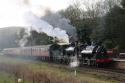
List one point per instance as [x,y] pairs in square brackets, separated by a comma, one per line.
[6,78]
[56,73]
[66,72]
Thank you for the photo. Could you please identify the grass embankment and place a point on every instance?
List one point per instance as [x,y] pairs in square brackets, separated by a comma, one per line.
[39,72]
[6,78]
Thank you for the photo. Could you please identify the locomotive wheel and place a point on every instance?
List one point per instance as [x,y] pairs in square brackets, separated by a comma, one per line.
[93,63]
[99,65]
[90,62]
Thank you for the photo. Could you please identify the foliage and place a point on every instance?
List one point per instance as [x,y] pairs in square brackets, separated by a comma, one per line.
[114,24]
[101,21]
[39,39]
[123,3]
[77,19]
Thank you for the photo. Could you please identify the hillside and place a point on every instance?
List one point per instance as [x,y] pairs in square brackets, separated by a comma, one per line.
[8,37]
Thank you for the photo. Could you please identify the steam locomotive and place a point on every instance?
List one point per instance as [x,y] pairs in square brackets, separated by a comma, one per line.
[86,54]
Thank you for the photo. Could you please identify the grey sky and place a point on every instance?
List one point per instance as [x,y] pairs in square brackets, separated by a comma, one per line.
[12,11]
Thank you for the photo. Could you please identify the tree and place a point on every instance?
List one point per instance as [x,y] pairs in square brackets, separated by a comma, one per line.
[88,18]
[39,38]
[76,17]
[114,24]
[123,4]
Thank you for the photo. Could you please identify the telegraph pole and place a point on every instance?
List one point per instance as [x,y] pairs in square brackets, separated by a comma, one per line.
[31,39]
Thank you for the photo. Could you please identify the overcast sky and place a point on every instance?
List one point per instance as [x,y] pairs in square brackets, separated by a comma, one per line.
[52,4]
[12,11]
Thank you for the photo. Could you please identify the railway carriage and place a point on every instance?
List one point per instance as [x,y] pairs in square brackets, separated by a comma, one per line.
[34,52]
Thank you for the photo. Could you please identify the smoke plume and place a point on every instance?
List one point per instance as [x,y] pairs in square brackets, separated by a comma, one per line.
[40,25]
[23,14]
[57,20]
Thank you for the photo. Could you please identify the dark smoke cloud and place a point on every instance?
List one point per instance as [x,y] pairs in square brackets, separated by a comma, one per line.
[57,20]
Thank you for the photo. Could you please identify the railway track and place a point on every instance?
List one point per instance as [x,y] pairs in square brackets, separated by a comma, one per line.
[110,73]
[107,72]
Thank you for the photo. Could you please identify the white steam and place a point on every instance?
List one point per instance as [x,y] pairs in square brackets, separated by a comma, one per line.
[22,34]
[18,13]
[42,26]
[22,42]
[57,20]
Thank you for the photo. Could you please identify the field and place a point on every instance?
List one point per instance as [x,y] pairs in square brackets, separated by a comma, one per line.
[12,69]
